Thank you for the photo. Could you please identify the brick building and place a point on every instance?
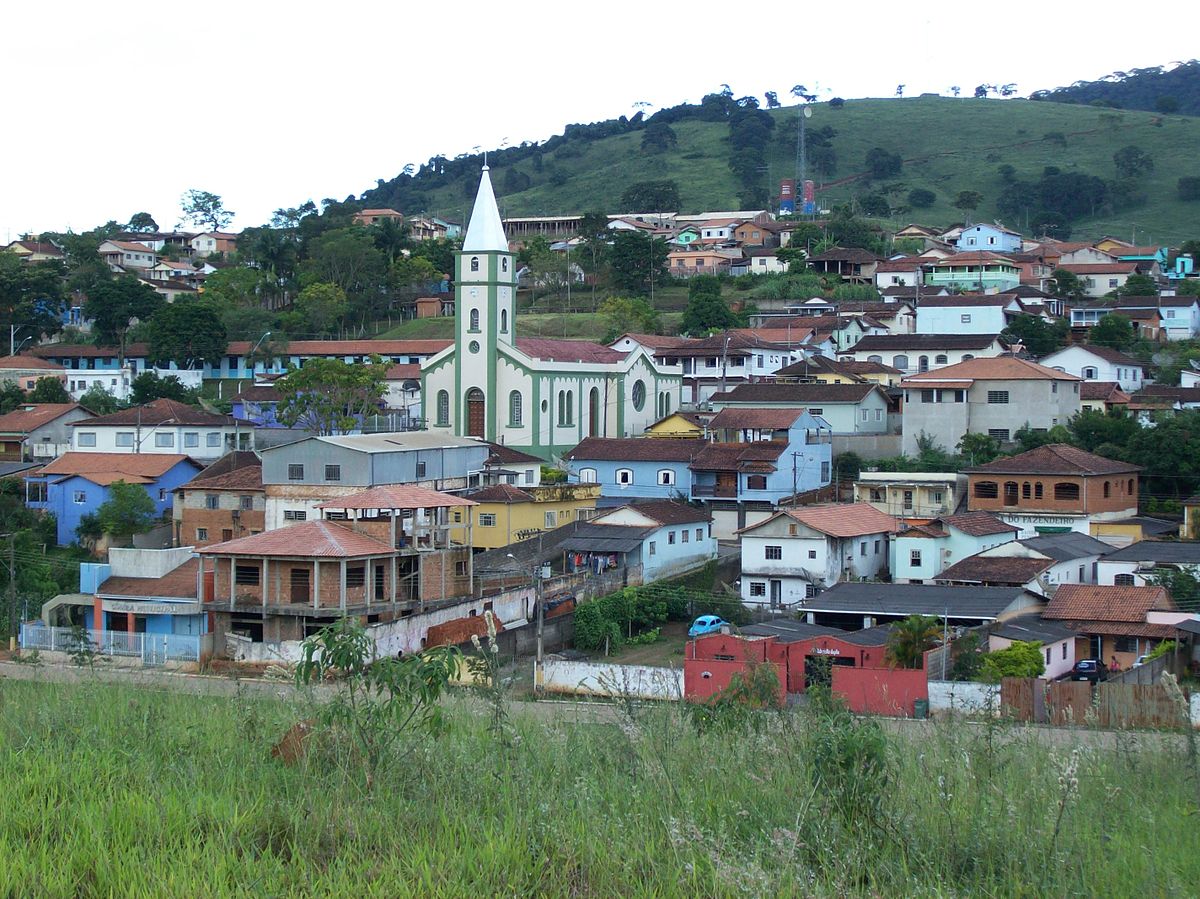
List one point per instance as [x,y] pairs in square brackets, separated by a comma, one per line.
[224,502]
[1054,488]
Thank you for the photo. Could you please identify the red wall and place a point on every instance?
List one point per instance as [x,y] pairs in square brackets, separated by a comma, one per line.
[704,678]
[880,691]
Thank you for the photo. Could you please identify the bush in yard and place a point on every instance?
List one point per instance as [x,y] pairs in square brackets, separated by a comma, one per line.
[1022,659]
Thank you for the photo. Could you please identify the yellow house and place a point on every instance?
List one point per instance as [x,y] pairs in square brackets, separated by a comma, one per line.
[507,514]
[677,424]
[1111,245]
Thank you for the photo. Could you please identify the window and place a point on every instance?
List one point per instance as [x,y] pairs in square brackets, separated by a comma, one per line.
[812,553]
[213,438]
[1037,490]
[670,538]
[816,411]
[756,482]
[514,408]
[1000,434]
[487,519]
[294,515]
[125,438]
[443,408]
[333,472]
[587,475]
[639,395]
[1047,655]
[1123,580]
[162,494]
[986,490]
[624,475]
[862,548]
[79,497]
[503,321]
[877,495]
[824,472]
[683,536]
[245,503]
[941,359]
[474,263]
[1010,493]
[773,552]
[937,496]
[699,534]
[965,318]
[295,472]
[758,588]
[866,414]
[908,499]
[164,440]
[1125,644]
[201,534]
[191,438]
[246,575]
[420,468]
[528,476]
[879,415]
[474,320]
[35,491]
[914,558]
[212,501]
[997,397]
[1107,489]
[1064,490]
[653,548]
[550,520]
[928,396]
[1130,490]
[666,477]
[1025,490]
[876,547]
[86,438]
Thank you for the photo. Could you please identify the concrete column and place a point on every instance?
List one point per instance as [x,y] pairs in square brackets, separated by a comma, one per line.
[264,581]
[130,623]
[342,585]
[232,578]
[98,615]
[393,579]
[316,583]
[200,578]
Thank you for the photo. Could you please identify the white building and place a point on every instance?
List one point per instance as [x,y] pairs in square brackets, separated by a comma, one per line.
[162,426]
[915,353]
[966,313]
[1098,363]
[911,494]
[921,552]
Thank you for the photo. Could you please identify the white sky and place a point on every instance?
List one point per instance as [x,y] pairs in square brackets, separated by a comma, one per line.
[116,108]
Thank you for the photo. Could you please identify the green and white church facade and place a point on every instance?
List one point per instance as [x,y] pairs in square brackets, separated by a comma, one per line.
[537,395]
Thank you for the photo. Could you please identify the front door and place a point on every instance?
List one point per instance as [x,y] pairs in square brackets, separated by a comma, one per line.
[776,594]
[476,424]
[726,483]
[301,592]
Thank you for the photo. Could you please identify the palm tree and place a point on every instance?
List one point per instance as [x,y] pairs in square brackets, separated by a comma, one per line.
[909,639]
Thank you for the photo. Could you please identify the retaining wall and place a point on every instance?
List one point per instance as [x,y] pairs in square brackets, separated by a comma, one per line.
[610,680]
[963,698]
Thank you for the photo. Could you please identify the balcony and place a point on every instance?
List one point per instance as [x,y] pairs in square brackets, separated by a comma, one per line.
[719,491]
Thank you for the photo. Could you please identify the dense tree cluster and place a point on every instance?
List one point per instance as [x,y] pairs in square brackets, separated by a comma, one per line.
[1154,89]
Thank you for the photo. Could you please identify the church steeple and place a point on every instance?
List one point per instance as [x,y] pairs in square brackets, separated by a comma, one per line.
[486,230]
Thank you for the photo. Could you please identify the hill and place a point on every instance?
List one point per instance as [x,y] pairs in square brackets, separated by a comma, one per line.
[1154,89]
[948,145]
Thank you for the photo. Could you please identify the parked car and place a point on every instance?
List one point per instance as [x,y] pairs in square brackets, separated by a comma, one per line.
[706,624]
[1089,670]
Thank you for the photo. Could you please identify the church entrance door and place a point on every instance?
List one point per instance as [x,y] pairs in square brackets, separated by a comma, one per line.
[476,424]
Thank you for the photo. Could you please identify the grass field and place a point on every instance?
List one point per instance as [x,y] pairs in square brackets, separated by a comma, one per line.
[948,145]
[113,791]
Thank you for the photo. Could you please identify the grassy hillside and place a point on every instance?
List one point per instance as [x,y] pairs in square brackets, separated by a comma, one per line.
[948,145]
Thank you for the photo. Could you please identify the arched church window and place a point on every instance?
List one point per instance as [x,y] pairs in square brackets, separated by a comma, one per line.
[474,263]
[503,321]
[474,319]
[504,264]
[443,407]
[514,408]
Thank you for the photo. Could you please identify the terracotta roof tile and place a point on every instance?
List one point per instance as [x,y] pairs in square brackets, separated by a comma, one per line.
[1095,602]
[667,512]
[845,519]
[24,419]
[795,394]
[567,350]
[1108,391]
[900,342]
[638,449]
[1055,458]
[501,493]
[397,496]
[23,363]
[978,524]
[312,539]
[757,456]
[246,478]
[997,368]
[656,341]
[413,347]
[178,583]
[506,455]
[995,570]
[758,419]
[158,412]
[144,465]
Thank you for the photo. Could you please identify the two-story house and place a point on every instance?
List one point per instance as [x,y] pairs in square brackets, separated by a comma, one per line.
[715,363]
[1098,363]
[628,468]
[989,237]
[966,313]
[981,271]
[796,553]
[845,408]
[162,426]
[911,494]
[996,396]
[1040,564]
[913,353]
[225,501]
[1053,489]
[1139,563]
[38,432]
[664,537]
[126,256]
[922,552]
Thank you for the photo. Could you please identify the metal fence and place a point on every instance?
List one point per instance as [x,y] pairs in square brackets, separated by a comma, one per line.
[152,649]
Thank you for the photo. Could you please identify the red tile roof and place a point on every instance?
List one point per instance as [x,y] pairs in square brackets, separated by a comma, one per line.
[738,456]
[501,493]
[638,449]
[22,363]
[241,479]
[845,519]
[117,465]
[1108,391]
[506,455]
[567,350]
[1100,268]
[312,539]
[1095,602]
[414,347]
[978,524]
[656,341]
[995,570]
[178,583]
[667,512]
[24,419]
[997,368]
[1055,458]
[736,418]
[397,496]
[161,412]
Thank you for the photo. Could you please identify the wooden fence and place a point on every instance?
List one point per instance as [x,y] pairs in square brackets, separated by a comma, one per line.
[1111,704]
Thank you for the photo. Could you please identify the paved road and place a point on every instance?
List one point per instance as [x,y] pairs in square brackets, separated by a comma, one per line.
[586,712]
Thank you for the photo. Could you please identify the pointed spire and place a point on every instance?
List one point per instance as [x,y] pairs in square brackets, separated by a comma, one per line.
[486,231]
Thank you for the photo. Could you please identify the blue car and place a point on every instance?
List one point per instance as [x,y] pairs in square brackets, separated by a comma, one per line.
[706,624]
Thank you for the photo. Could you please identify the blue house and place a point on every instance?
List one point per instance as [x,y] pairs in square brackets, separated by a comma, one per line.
[77,484]
[989,237]
[258,405]
[664,537]
[628,468]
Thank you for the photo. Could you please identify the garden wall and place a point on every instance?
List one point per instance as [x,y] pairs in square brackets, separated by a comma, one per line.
[601,679]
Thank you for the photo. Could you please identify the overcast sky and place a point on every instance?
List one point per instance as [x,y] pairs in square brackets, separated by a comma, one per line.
[117,108]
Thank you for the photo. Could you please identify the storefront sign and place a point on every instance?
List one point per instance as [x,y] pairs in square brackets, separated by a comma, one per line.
[152,608]
[823,651]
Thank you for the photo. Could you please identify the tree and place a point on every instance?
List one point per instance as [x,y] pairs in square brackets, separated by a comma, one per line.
[205,210]
[391,238]
[772,99]
[148,386]
[921,198]
[1167,104]
[637,261]
[651,196]
[967,200]
[658,137]
[142,222]
[1188,188]
[115,305]
[1114,331]
[1068,285]
[876,205]
[188,333]
[99,401]
[981,91]
[11,396]
[1027,438]
[910,639]
[1169,453]
[1132,162]
[322,306]
[328,396]
[1039,337]
[1007,173]
[629,316]
[1092,429]
[1048,223]
[979,448]
[31,297]
[347,257]
[49,390]
[129,510]
[1138,286]
[882,164]
[1021,658]
[706,311]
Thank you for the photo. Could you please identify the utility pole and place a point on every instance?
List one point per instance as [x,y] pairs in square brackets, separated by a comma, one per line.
[12,591]
[541,618]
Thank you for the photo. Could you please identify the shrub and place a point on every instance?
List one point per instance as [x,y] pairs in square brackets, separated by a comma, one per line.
[921,198]
[1022,659]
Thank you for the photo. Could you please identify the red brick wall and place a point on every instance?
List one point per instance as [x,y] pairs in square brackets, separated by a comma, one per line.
[880,691]
[217,521]
[1091,494]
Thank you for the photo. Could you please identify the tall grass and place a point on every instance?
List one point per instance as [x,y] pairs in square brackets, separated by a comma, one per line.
[111,791]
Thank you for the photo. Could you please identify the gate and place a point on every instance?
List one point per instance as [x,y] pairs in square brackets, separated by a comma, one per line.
[154,651]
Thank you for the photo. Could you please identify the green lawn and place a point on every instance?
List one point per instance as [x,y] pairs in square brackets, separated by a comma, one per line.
[118,792]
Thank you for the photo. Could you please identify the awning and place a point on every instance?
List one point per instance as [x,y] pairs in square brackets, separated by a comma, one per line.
[601,544]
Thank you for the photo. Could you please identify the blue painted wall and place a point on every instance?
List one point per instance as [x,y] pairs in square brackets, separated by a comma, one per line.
[645,478]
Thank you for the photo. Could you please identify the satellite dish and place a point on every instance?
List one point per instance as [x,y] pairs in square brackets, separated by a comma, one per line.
[808,112]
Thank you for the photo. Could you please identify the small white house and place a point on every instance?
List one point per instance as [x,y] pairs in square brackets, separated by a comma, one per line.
[1099,363]
[922,552]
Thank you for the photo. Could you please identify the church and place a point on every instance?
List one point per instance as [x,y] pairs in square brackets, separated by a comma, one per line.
[537,395]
